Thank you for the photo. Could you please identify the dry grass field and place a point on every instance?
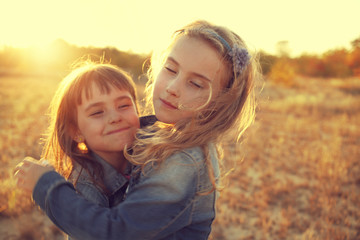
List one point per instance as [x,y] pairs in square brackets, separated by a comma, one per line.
[297,176]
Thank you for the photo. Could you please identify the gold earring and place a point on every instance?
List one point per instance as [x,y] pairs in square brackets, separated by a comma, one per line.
[82,147]
[81,144]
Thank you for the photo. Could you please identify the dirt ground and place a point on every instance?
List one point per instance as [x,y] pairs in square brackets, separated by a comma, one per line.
[296,174]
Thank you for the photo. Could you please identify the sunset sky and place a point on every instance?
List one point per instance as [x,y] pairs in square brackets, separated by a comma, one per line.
[312,26]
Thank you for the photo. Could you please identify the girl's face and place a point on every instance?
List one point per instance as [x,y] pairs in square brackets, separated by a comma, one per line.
[193,71]
[107,122]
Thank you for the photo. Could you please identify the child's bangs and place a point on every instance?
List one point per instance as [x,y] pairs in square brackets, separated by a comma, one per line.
[103,81]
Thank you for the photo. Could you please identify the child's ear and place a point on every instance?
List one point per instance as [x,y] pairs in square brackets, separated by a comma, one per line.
[76,135]
[79,138]
[81,145]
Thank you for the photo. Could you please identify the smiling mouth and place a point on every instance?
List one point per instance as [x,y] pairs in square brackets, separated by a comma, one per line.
[118,130]
[167,104]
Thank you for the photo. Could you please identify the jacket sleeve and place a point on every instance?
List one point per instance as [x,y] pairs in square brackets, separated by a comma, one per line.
[158,205]
[92,193]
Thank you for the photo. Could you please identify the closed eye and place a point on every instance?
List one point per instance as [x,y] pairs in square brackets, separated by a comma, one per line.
[170,70]
[124,106]
[97,113]
[196,84]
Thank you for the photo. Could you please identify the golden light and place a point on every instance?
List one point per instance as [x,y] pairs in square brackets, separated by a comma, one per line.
[141,26]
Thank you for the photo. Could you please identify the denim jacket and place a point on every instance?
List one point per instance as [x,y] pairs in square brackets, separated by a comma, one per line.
[167,202]
[115,182]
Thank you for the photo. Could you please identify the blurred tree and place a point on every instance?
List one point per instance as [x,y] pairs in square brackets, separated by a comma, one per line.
[310,65]
[356,43]
[9,57]
[283,49]
[266,62]
[60,56]
[283,70]
[354,57]
[335,62]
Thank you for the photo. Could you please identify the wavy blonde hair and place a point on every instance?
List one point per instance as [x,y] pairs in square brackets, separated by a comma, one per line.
[230,113]
[59,145]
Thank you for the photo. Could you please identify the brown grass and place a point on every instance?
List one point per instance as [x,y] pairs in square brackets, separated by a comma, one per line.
[297,177]
[300,173]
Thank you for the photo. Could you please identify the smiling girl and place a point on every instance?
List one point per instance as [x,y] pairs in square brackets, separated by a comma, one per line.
[93,117]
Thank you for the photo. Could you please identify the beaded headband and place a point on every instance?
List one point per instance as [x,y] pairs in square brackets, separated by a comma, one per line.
[240,56]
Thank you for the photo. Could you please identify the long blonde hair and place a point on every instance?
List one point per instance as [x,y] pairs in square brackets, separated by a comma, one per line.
[60,147]
[230,113]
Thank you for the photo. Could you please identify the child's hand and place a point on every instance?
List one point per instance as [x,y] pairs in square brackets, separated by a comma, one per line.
[28,172]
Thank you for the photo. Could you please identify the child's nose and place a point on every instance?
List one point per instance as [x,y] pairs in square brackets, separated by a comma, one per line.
[115,117]
[173,87]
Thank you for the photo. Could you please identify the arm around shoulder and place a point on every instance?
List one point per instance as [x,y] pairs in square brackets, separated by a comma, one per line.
[158,204]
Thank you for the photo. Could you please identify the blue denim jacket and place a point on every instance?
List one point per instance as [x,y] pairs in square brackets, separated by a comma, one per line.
[165,203]
[114,181]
